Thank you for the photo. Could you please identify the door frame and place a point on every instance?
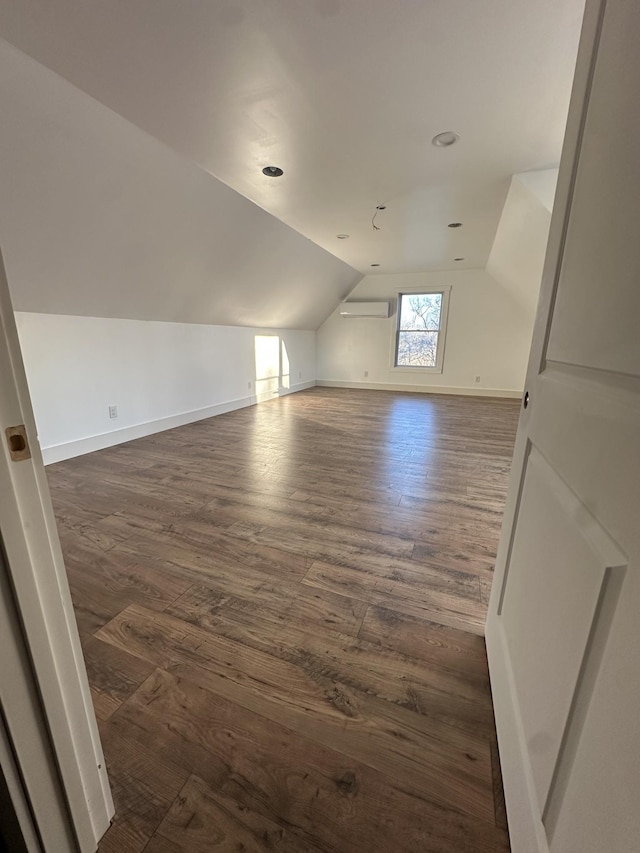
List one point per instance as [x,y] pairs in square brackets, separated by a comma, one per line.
[25,751]
[77,793]
[525,826]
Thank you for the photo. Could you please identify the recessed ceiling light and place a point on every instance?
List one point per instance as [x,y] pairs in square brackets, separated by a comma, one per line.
[458,259]
[445,139]
[454,225]
[375,265]
[272,171]
[342,236]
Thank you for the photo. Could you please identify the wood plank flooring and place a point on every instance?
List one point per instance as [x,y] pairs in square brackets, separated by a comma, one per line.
[281,611]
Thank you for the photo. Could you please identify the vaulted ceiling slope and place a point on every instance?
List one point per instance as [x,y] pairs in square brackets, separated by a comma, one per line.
[517,257]
[98,218]
[344,95]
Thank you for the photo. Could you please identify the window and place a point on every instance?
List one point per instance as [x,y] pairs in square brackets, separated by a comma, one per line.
[420,331]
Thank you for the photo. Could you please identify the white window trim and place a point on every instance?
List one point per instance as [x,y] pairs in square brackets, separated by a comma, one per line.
[445,290]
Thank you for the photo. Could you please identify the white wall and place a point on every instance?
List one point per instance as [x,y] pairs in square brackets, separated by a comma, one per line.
[488,335]
[160,375]
[491,312]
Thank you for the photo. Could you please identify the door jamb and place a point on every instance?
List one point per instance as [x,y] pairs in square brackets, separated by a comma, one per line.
[39,585]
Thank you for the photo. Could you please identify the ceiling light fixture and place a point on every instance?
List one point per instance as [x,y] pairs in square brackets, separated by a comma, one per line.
[342,236]
[445,139]
[454,225]
[272,171]
[379,207]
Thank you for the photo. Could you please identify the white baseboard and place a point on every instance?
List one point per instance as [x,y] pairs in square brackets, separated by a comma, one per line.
[470,391]
[80,446]
[301,386]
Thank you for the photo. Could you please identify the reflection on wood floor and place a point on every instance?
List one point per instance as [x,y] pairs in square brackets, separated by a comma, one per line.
[281,610]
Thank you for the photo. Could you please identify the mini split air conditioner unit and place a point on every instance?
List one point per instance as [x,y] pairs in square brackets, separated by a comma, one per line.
[364,309]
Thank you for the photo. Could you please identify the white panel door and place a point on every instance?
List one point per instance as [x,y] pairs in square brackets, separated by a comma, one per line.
[563,631]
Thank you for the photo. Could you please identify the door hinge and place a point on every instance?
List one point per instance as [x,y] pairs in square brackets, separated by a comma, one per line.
[18,443]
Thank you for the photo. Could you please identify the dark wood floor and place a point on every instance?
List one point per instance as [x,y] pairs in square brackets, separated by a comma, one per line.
[281,611]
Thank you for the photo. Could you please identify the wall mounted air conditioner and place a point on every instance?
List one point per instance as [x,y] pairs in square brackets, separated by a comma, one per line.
[364,309]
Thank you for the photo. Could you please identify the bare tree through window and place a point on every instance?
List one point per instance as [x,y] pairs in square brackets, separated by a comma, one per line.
[420,316]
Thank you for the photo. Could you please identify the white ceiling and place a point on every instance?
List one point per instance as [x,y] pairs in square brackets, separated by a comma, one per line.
[98,218]
[344,95]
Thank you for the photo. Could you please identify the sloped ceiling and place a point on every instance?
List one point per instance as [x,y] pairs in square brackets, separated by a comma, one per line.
[542,184]
[517,257]
[97,218]
[344,95]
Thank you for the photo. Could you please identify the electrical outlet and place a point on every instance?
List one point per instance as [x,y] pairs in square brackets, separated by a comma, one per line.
[113,412]
[477,379]
[366,373]
[249,385]
[299,374]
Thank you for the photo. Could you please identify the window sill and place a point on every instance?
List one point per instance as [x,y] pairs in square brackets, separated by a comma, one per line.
[414,370]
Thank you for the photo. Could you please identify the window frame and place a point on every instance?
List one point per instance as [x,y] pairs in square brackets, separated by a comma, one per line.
[445,291]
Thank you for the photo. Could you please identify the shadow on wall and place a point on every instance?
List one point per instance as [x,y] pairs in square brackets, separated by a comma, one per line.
[272,367]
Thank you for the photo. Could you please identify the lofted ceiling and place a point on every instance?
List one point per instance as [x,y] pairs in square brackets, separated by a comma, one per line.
[99,219]
[344,95]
